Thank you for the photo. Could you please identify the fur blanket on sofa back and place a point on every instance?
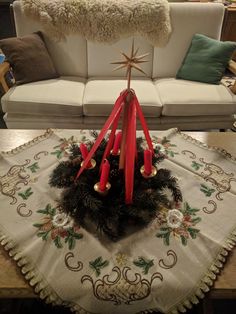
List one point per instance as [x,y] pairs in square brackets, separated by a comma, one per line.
[104,21]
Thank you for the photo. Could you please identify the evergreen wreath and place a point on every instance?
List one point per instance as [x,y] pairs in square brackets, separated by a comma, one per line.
[109,213]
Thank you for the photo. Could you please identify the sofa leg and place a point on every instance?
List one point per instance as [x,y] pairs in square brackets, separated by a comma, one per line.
[222,130]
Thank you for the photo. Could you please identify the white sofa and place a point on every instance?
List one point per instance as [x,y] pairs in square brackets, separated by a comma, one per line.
[83,95]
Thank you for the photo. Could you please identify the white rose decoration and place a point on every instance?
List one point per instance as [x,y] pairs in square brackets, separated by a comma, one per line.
[62,220]
[174,218]
[160,148]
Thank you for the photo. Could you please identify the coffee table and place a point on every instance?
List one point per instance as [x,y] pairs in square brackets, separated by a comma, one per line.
[13,284]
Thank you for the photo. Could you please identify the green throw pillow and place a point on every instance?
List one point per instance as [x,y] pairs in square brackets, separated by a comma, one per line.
[206,60]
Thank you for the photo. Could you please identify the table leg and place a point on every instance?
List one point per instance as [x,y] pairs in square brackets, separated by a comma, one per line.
[207,306]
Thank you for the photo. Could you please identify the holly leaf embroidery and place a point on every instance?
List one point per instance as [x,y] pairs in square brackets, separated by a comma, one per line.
[98,264]
[48,210]
[206,190]
[26,194]
[34,167]
[143,263]
[58,153]
[193,232]
[196,165]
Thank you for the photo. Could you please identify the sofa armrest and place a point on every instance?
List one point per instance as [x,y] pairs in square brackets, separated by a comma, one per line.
[232,68]
[4,68]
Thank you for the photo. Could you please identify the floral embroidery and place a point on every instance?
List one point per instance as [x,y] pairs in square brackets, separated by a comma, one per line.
[196,165]
[62,150]
[206,190]
[121,286]
[145,264]
[179,223]
[57,226]
[174,218]
[164,146]
[26,194]
[98,264]
[121,259]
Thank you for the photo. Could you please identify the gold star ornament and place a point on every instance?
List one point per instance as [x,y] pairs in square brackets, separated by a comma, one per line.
[130,62]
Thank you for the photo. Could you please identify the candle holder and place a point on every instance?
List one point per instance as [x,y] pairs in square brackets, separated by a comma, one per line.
[103,193]
[118,152]
[147,176]
[92,162]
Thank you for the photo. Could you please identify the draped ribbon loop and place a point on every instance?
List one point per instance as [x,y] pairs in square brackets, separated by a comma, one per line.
[129,100]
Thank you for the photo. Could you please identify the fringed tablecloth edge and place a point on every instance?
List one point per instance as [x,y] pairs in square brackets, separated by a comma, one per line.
[45,291]
[222,151]
[30,143]
[209,278]
[34,278]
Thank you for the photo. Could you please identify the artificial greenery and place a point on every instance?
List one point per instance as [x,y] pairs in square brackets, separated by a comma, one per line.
[109,213]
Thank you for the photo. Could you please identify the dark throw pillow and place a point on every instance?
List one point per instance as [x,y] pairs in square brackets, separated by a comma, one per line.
[206,60]
[29,58]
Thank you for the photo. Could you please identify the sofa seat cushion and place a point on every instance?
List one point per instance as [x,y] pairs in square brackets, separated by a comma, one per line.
[100,95]
[62,97]
[187,98]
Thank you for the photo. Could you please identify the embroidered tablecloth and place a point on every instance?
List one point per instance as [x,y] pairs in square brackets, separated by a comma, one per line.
[167,266]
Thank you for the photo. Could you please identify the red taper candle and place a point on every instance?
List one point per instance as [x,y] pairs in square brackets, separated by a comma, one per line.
[104,175]
[117,143]
[147,161]
[84,152]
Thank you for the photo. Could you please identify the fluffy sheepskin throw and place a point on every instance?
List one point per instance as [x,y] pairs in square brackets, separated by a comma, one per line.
[104,21]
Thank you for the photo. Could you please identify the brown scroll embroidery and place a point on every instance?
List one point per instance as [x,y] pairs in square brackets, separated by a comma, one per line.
[165,265]
[76,268]
[218,177]
[122,289]
[210,211]
[9,182]
[23,213]
[220,180]
[37,156]
[189,153]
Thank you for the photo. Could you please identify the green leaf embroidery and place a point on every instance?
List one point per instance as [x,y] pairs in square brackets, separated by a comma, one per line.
[38,225]
[183,240]
[195,220]
[189,210]
[196,166]
[26,194]
[167,239]
[58,153]
[143,263]
[165,236]
[206,190]
[98,264]
[57,242]
[193,232]
[71,242]
[43,235]
[48,210]
[34,167]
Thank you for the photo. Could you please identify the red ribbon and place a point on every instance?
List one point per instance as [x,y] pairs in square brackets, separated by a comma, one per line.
[130,140]
[130,153]
[116,111]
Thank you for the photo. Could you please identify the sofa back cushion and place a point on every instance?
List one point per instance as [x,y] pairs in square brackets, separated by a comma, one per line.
[77,57]
[187,19]
[69,56]
[100,57]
